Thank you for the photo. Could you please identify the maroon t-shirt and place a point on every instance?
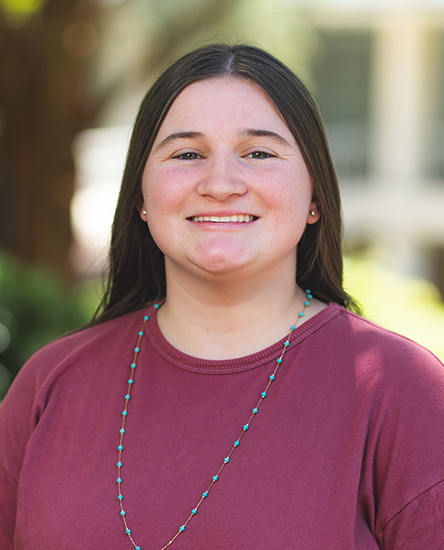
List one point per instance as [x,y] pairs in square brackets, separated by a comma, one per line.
[345,453]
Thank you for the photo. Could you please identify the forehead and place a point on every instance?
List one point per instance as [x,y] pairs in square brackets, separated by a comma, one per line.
[223,101]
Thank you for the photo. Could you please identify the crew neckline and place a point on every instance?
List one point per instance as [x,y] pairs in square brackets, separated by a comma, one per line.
[238,364]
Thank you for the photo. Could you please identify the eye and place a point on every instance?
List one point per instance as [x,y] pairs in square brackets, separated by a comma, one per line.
[188,155]
[260,155]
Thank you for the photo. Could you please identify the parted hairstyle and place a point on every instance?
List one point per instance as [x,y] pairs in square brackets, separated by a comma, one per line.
[136,275]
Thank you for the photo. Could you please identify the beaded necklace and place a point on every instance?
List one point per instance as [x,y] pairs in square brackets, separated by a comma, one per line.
[225,461]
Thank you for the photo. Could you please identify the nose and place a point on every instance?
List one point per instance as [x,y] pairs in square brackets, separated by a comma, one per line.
[222,180]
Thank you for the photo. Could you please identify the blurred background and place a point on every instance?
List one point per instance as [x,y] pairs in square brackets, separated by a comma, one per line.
[72,75]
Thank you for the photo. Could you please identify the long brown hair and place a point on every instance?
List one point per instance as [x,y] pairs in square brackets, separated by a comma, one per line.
[136,265]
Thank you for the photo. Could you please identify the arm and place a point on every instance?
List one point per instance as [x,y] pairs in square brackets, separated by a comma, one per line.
[408,457]
[8,506]
[420,524]
[16,425]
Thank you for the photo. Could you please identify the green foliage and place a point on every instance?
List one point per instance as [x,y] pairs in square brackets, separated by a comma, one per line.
[411,307]
[35,308]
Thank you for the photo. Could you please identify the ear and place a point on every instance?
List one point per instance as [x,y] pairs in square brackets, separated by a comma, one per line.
[140,206]
[313,214]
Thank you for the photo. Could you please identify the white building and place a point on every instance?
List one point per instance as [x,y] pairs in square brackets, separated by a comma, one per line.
[380,81]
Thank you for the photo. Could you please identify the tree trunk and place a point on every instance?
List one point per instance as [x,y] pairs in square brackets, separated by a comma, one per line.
[43,105]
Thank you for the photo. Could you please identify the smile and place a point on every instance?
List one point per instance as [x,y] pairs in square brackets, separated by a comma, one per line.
[237,218]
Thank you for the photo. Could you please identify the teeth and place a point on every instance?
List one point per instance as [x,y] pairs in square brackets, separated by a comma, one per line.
[224,219]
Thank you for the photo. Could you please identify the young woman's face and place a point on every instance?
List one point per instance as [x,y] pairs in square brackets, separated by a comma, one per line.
[225,186]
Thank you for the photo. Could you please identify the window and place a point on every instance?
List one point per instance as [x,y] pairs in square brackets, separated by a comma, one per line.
[434,135]
[341,75]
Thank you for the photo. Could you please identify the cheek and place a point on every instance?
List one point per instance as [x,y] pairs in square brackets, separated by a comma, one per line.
[290,198]
[162,200]
[159,228]
[290,204]
[154,202]
[163,189]
[155,196]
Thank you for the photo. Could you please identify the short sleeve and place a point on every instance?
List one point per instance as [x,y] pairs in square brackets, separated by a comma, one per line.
[8,507]
[17,419]
[420,524]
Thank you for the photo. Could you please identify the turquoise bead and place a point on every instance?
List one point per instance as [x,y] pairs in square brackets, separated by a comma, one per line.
[306,304]
[226,460]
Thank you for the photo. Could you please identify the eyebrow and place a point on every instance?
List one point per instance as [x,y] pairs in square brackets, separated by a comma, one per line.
[179,135]
[265,133]
[245,132]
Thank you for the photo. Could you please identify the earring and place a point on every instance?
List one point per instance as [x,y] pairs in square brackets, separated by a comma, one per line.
[144,212]
[312,213]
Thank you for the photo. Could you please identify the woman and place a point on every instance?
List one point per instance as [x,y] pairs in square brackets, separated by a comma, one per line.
[216,402]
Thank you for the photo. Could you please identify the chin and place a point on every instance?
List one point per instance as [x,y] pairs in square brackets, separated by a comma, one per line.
[221,268]
[223,264]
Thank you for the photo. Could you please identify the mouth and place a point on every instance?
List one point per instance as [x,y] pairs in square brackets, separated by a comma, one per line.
[235,218]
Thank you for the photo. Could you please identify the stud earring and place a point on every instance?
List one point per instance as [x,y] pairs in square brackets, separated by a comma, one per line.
[312,213]
[144,212]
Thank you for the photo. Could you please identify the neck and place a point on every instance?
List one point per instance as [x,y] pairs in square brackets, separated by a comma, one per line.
[225,319]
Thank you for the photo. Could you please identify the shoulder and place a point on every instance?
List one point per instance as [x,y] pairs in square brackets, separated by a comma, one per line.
[365,338]
[65,367]
[374,358]
[93,346]
[399,389]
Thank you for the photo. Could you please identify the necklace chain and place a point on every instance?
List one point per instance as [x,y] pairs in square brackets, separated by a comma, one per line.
[225,461]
